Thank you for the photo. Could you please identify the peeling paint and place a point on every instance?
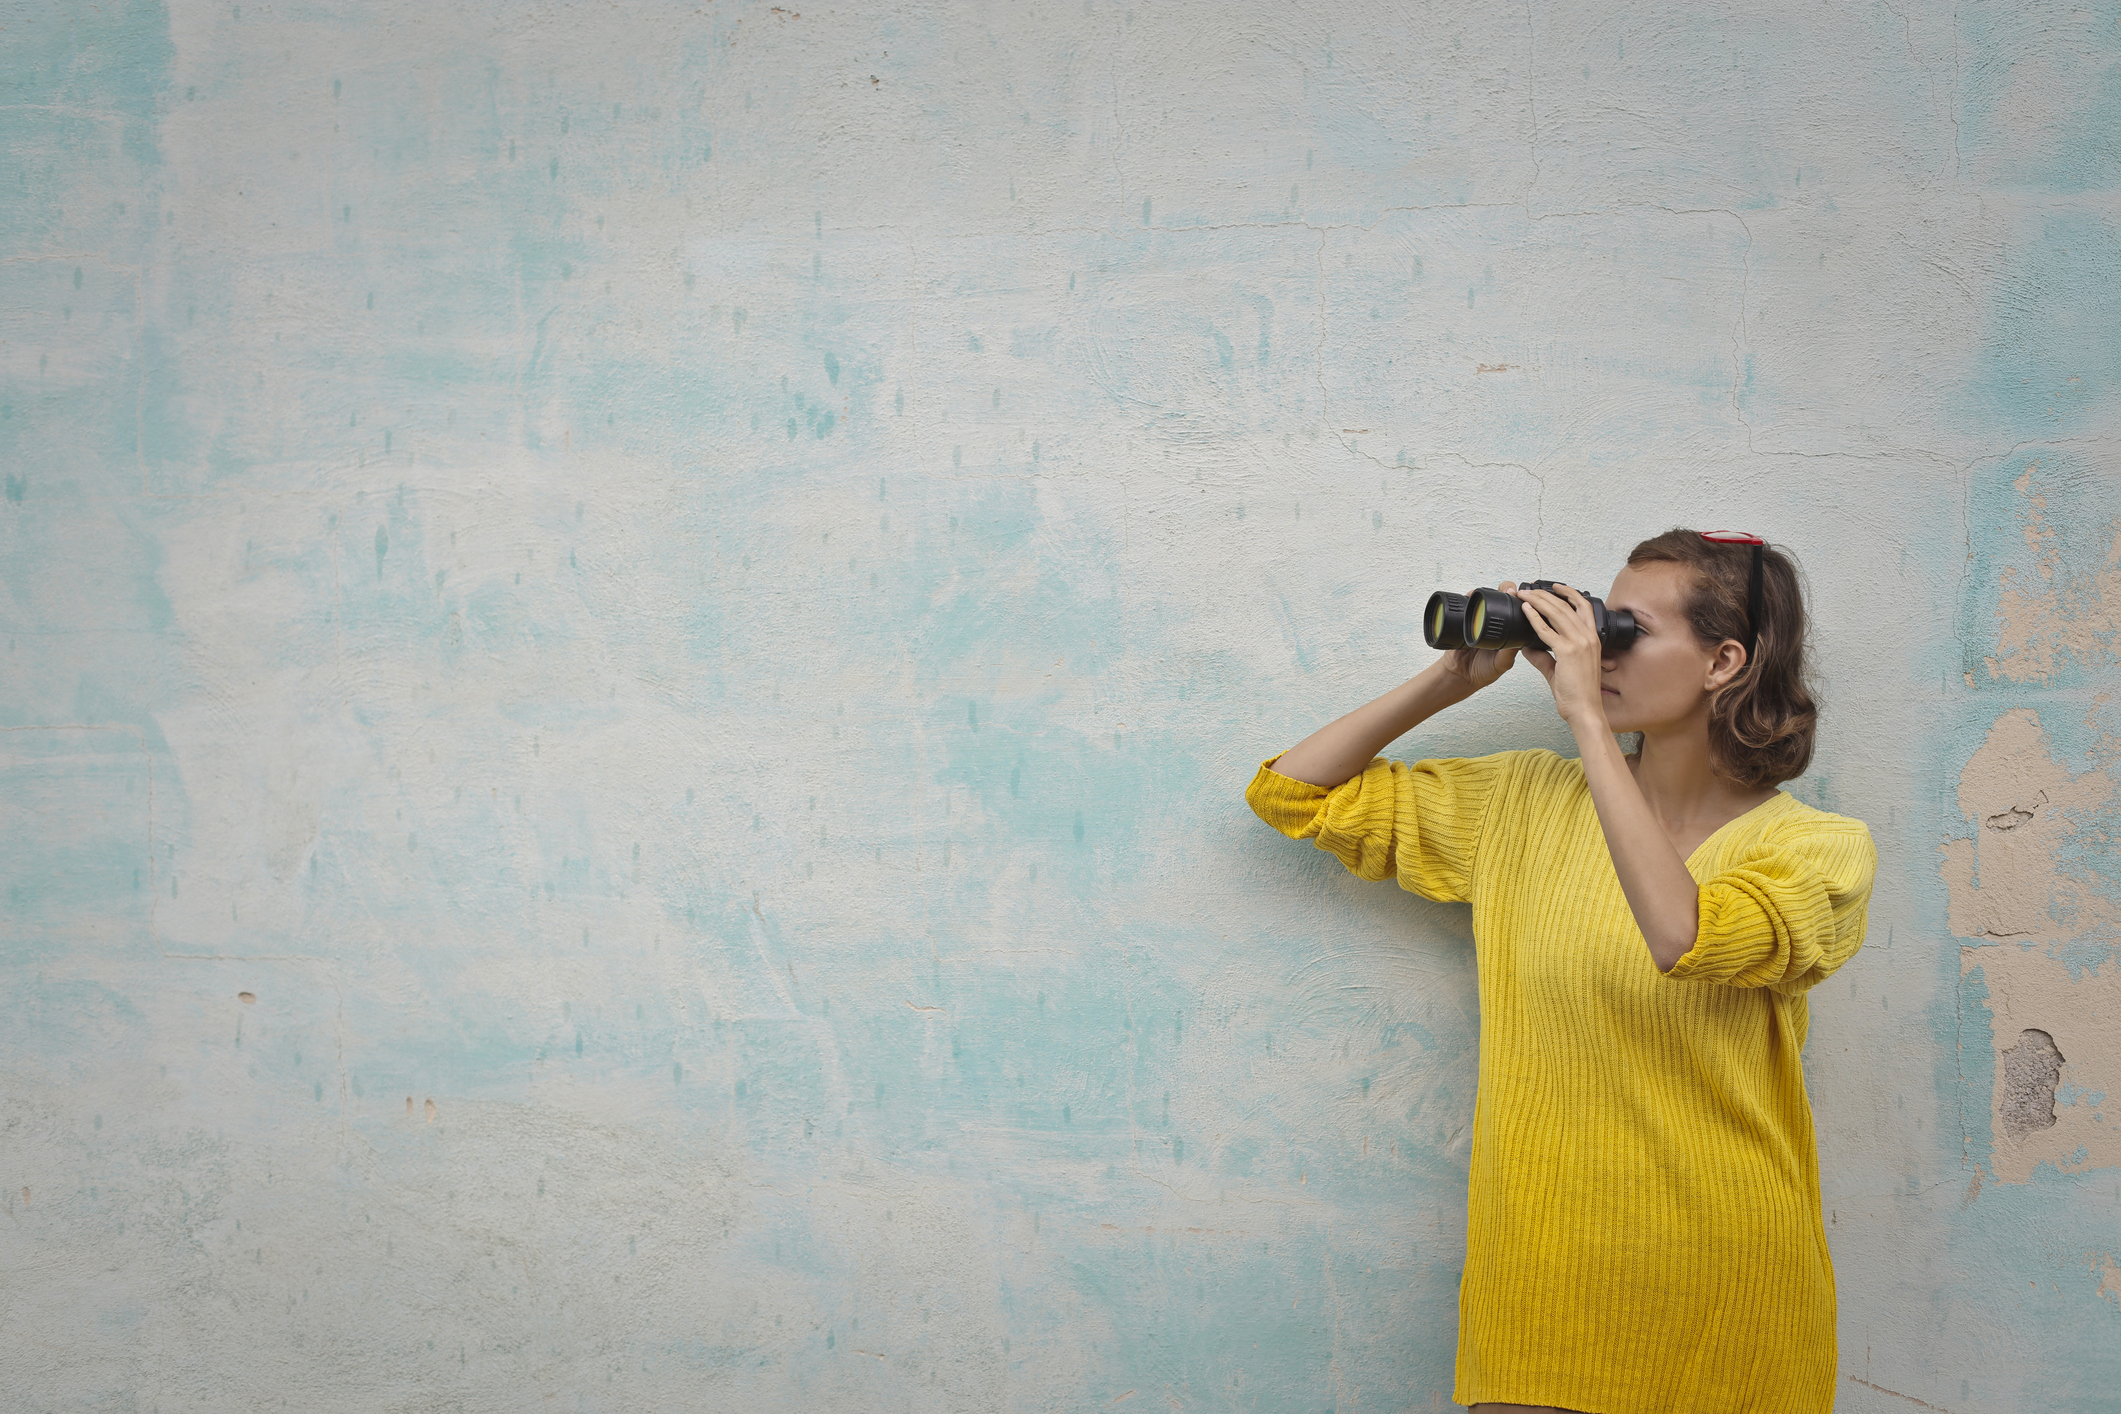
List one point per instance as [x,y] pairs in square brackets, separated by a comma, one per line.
[2006,879]
[2053,990]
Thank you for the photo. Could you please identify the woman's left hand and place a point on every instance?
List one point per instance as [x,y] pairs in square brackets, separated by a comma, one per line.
[1574,665]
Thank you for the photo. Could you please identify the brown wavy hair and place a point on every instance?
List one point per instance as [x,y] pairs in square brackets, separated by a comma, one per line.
[1762,721]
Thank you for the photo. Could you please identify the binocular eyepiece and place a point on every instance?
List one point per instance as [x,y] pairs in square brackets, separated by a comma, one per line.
[1491,618]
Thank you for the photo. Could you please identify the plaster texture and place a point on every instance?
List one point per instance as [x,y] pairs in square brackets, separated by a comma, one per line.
[632,636]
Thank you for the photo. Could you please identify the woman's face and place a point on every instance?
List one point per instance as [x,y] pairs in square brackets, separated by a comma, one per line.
[1665,677]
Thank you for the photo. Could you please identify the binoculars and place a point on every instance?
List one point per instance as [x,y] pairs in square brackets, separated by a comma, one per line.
[1491,618]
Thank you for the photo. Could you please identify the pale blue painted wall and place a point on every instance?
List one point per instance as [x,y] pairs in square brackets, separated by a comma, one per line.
[682,598]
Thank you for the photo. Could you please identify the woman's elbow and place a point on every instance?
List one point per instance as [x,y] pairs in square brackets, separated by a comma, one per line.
[1667,950]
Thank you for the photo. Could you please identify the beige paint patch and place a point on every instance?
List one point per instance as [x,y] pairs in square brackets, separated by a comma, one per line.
[2046,615]
[2110,1280]
[2077,1020]
[2025,806]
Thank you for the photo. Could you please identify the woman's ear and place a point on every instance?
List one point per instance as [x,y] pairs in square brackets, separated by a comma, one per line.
[1725,663]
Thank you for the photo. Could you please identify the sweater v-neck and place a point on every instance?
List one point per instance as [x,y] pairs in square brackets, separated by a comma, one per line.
[1712,836]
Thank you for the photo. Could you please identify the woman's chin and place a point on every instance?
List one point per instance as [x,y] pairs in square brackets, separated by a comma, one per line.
[1619,720]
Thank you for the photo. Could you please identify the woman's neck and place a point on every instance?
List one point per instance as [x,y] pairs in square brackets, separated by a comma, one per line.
[1682,787]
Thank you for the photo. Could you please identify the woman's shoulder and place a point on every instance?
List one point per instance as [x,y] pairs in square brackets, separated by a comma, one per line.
[1539,772]
[1525,776]
[1518,765]
[1789,816]
[1840,843]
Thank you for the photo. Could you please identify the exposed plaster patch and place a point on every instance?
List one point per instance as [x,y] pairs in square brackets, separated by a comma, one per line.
[2041,618]
[2110,1279]
[2012,818]
[2031,1071]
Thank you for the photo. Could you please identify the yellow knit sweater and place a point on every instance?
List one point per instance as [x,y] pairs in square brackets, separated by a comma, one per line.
[1643,1232]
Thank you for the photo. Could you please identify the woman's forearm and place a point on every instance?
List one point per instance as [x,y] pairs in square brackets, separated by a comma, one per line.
[1339,750]
[1661,893]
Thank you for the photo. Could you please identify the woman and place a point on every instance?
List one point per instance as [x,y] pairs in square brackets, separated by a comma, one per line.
[1643,1220]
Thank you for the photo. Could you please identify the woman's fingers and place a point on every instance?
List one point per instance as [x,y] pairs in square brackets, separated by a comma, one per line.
[1569,658]
[1557,617]
[1549,615]
[1479,666]
[1582,606]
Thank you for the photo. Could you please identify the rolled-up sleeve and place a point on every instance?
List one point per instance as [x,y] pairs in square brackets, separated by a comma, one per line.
[1788,913]
[1417,823]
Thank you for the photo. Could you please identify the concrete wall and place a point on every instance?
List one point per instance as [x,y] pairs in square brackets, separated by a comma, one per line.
[633,632]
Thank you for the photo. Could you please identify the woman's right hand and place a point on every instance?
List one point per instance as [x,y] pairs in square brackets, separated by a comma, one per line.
[1477,667]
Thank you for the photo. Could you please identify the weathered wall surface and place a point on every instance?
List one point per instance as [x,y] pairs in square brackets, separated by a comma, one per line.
[632,635]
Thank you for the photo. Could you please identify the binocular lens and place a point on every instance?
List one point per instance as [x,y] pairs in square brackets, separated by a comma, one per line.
[1443,623]
[1492,618]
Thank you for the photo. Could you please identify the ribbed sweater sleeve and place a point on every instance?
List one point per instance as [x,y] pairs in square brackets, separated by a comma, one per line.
[1789,912]
[1418,823]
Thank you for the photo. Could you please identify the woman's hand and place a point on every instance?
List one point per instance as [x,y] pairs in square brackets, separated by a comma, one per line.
[1574,663]
[1477,667]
